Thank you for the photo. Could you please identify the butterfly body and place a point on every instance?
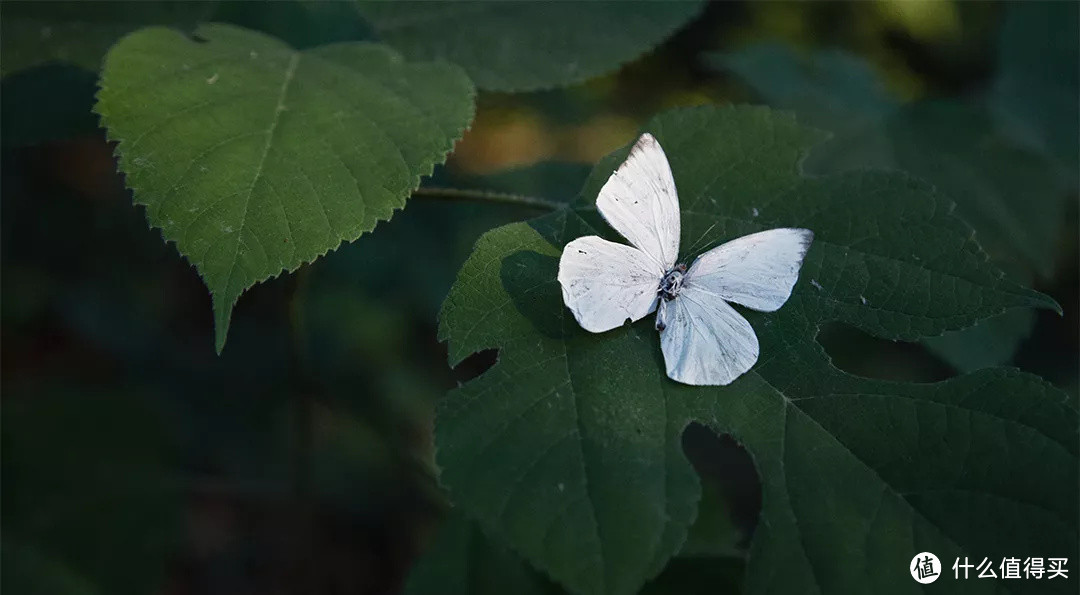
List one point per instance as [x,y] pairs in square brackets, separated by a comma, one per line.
[705,341]
[669,289]
[672,282]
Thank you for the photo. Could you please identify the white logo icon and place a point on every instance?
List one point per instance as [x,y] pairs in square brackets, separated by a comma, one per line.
[925,568]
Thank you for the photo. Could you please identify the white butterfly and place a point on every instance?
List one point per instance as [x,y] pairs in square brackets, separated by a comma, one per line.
[705,341]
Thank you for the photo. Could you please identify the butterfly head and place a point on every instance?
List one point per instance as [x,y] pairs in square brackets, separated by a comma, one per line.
[672,282]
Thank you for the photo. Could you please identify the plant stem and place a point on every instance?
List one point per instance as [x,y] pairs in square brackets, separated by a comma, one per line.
[488,196]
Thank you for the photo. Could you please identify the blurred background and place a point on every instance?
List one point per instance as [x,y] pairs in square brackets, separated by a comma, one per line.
[135,460]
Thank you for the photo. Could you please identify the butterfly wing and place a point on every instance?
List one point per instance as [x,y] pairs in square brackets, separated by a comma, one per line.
[640,202]
[604,283]
[757,271]
[705,341]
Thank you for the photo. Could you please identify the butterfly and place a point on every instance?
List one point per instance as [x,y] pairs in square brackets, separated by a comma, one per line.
[704,340]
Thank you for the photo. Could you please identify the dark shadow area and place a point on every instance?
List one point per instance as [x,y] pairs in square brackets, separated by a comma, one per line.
[301,26]
[861,354]
[476,364]
[1051,349]
[730,482]
[531,281]
[136,459]
[698,576]
[47,103]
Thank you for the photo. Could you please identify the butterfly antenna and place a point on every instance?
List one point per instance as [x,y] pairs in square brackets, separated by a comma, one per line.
[697,244]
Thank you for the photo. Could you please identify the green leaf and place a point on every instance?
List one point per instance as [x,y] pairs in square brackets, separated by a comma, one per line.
[34,33]
[299,23]
[255,158]
[525,46]
[568,449]
[1009,194]
[462,561]
[829,89]
[698,576]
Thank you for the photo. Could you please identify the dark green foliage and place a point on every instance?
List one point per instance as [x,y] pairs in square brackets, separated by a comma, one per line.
[569,448]
[330,449]
[523,46]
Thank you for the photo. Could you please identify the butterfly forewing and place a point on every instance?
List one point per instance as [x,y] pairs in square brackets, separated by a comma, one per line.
[757,271]
[604,283]
[640,202]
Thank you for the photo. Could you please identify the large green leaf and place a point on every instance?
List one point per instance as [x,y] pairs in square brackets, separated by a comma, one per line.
[829,89]
[568,449]
[34,33]
[1009,194]
[299,23]
[461,560]
[255,158]
[522,46]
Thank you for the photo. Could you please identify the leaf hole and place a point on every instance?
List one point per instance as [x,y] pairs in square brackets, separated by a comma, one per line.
[475,365]
[730,483]
[862,354]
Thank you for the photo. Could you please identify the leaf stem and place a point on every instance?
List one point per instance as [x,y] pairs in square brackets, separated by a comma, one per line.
[520,200]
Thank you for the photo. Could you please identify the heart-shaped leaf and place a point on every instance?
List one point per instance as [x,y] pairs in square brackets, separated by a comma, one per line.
[568,449]
[523,46]
[255,158]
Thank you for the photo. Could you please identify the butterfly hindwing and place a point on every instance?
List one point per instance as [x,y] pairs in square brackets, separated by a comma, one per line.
[757,271]
[706,342]
[604,283]
[640,202]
